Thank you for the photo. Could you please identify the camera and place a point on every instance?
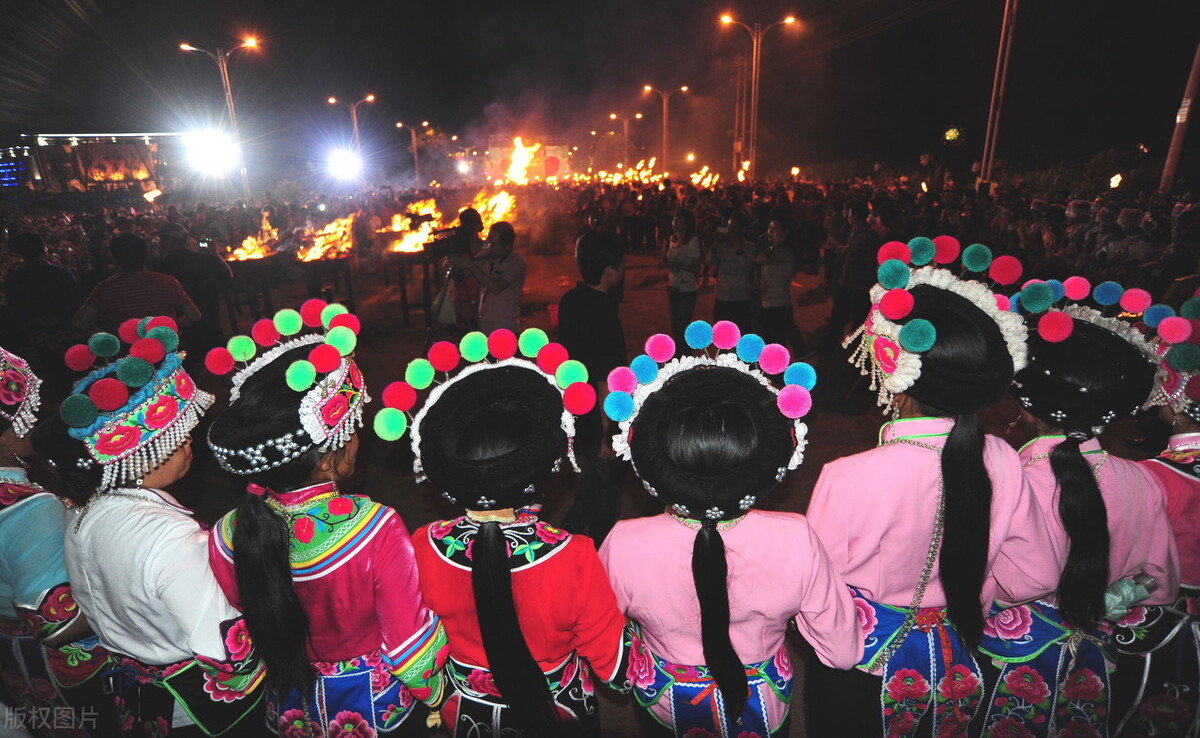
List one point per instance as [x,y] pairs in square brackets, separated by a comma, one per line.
[204,244]
[449,242]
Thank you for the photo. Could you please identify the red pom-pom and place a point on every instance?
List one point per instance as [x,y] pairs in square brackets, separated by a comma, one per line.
[325,358]
[162,320]
[80,358]
[1055,326]
[660,347]
[108,394]
[896,304]
[726,334]
[264,332]
[1003,302]
[1005,269]
[1076,288]
[1175,329]
[348,320]
[444,356]
[128,331]
[894,250]
[1136,300]
[551,356]
[150,349]
[1192,389]
[310,312]
[502,344]
[399,395]
[579,398]
[219,361]
[794,401]
[946,249]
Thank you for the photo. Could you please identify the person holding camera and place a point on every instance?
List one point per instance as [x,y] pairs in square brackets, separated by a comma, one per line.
[205,277]
[501,275]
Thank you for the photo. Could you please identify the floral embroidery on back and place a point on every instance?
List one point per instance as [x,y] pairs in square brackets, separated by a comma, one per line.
[527,539]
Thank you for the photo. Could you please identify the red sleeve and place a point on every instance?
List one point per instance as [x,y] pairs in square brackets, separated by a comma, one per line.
[220,558]
[599,630]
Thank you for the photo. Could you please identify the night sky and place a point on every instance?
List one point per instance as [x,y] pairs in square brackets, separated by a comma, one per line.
[859,80]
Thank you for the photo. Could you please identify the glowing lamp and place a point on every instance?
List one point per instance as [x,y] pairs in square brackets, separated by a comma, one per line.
[344,164]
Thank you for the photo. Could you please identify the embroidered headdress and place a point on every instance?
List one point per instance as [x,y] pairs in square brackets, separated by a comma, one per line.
[1177,346]
[332,386]
[20,392]
[646,396]
[894,339]
[133,412]
[543,386]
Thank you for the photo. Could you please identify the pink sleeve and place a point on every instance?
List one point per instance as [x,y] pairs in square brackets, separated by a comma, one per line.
[1162,558]
[825,518]
[610,559]
[399,607]
[220,558]
[1030,558]
[828,620]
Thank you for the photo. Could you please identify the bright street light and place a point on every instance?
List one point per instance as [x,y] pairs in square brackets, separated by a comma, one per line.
[221,57]
[666,96]
[757,31]
[353,115]
[344,164]
[210,152]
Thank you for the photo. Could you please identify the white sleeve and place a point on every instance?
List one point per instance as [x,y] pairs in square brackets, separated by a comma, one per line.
[185,583]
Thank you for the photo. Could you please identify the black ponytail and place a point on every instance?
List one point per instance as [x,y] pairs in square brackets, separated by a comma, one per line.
[709,572]
[1085,518]
[962,562]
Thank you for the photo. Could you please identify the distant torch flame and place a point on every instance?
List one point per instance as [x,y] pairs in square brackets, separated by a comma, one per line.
[1115,181]
[522,157]
[334,241]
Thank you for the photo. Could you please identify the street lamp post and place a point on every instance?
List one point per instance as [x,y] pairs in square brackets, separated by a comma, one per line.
[757,31]
[666,96]
[625,129]
[221,57]
[353,116]
[416,157]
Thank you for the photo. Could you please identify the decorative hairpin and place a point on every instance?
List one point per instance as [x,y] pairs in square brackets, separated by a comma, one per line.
[20,393]
[1177,348]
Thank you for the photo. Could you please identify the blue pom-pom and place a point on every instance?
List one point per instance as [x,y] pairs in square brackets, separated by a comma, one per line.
[922,250]
[918,336]
[644,368]
[618,406]
[1108,293]
[977,257]
[1037,297]
[1156,314]
[893,274]
[1057,291]
[802,374]
[750,346]
[698,334]
[1014,303]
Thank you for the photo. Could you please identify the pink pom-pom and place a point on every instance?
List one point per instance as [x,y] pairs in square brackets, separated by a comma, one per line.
[150,349]
[348,320]
[310,312]
[1135,300]
[1192,389]
[502,344]
[108,394]
[946,249]
[579,398]
[551,356]
[1175,329]
[1076,288]
[895,304]
[325,358]
[443,356]
[1055,326]
[622,379]
[774,359]
[660,347]
[1003,303]
[80,358]
[264,332]
[1005,269]
[162,321]
[726,334]
[794,401]
[219,361]
[895,250]
[128,331]
[400,396]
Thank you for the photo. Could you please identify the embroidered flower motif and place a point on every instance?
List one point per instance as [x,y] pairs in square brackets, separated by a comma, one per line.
[1165,708]
[184,385]
[1009,624]
[959,683]
[161,412]
[1083,684]
[335,409]
[1076,729]
[1135,616]
[341,506]
[783,663]
[481,681]
[550,534]
[421,693]
[294,724]
[126,715]
[392,713]
[381,678]
[120,439]
[886,352]
[10,493]
[350,724]
[866,616]
[440,529]
[16,685]
[1026,683]
[327,668]
[902,724]
[699,733]
[12,387]
[683,672]
[1008,727]
[303,529]
[929,618]
[159,728]
[58,605]
[44,690]
[237,640]
[641,667]
[218,691]
[907,684]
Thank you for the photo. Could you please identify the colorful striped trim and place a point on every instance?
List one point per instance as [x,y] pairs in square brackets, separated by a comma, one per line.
[353,539]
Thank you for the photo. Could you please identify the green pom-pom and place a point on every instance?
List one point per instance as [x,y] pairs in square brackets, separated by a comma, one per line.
[78,411]
[329,312]
[104,345]
[167,337]
[1184,358]
[531,341]
[893,274]
[390,424]
[288,322]
[242,348]
[569,372]
[134,372]
[922,250]
[342,339]
[917,336]
[419,373]
[1037,298]
[1191,309]
[301,375]
[473,346]
[977,257]
[141,327]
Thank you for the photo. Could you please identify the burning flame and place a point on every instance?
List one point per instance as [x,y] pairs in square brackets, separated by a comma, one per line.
[494,208]
[334,241]
[704,178]
[522,157]
[256,247]
[415,235]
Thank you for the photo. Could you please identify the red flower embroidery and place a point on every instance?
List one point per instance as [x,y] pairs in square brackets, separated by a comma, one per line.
[12,387]
[237,640]
[335,409]
[901,724]
[184,385]
[1075,729]
[1083,684]
[1009,624]
[421,693]
[218,692]
[350,724]
[886,351]
[959,683]
[59,605]
[10,493]
[1165,708]
[294,724]
[118,440]
[303,529]
[1008,727]
[481,681]
[440,529]
[1027,684]
[928,619]
[16,685]
[866,615]
[161,412]
[641,667]
[1135,616]
[44,690]
[783,663]
[907,684]
[550,534]
[341,506]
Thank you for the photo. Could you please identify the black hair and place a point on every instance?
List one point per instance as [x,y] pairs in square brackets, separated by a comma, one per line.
[1085,518]
[52,442]
[596,251]
[689,223]
[470,218]
[504,231]
[28,245]
[129,251]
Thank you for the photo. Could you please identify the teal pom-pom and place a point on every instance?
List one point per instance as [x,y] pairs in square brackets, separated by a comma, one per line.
[618,406]
[893,274]
[922,249]
[1184,358]
[141,326]
[977,257]
[644,368]
[1037,298]
[698,334]
[1108,293]
[134,372]
[802,374]
[167,337]
[300,375]
[917,336]
[104,345]
[78,411]
[1190,309]
[1156,314]
[750,346]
